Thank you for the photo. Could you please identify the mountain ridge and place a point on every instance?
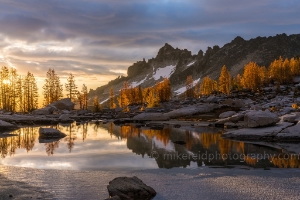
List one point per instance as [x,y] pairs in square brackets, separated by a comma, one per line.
[176,64]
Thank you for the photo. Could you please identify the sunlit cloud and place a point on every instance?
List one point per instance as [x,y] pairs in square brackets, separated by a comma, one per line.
[98,40]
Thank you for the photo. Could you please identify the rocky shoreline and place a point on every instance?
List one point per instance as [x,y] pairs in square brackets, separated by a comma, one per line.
[244,115]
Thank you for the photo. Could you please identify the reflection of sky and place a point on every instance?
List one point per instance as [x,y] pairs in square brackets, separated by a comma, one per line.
[99,150]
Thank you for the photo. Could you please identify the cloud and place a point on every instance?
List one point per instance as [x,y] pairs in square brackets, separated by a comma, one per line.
[105,37]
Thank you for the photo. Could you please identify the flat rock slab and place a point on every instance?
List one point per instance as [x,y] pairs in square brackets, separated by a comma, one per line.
[291,134]
[191,110]
[151,117]
[260,118]
[50,133]
[7,126]
[261,133]
[130,188]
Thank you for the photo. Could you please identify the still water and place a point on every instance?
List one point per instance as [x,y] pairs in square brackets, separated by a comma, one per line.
[93,146]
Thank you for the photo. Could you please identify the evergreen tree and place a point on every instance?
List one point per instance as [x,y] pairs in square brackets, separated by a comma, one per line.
[112,104]
[30,93]
[71,88]
[189,84]
[96,104]
[52,88]
[225,81]
[208,86]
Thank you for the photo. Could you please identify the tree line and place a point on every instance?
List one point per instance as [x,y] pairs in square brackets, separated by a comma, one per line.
[19,93]
[254,77]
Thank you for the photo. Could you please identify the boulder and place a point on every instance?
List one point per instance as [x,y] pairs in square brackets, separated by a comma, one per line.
[212,99]
[65,112]
[151,117]
[291,133]
[191,110]
[50,133]
[235,103]
[44,111]
[130,188]
[293,117]
[7,126]
[65,118]
[260,118]
[262,133]
[227,114]
[121,115]
[63,104]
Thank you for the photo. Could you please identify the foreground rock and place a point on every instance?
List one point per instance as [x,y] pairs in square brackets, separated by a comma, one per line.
[290,134]
[130,189]
[260,119]
[50,133]
[151,117]
[7,126]
[227,114]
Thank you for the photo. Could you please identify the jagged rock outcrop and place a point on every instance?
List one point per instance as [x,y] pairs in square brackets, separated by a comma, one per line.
[235,54]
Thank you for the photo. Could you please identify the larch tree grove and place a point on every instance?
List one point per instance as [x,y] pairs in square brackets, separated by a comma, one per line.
[52,88]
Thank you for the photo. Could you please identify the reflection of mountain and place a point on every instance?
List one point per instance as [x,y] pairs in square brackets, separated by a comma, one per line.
[207,147]
[201,143]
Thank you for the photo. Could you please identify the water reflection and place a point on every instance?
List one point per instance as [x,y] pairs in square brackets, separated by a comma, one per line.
[95,146]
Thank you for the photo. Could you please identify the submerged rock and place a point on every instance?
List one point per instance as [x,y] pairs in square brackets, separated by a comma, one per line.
[260,118]
[127,188]
[50,133]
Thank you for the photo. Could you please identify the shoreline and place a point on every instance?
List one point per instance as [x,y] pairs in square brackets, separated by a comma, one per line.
[177,183]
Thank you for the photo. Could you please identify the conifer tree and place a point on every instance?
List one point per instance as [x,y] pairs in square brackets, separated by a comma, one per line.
[252,77]
[189,84]
[112,104]
[208,86]
[52,88]
[30,93]
[225,81]
[96,104]
[84,92]
[71,88]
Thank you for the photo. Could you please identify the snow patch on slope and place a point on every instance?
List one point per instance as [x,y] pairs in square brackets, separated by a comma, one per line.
[165,72]
[190,64]
[135,83]
[159,144]
[183,89]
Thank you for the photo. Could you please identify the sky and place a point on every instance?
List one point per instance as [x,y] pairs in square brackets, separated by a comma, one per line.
[97,40]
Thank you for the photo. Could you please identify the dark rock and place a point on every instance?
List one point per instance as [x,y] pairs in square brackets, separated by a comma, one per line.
[130,188]
[177,126]
[63,104]
[50,133]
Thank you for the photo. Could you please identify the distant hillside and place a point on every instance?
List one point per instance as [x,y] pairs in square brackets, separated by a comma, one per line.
[177,64]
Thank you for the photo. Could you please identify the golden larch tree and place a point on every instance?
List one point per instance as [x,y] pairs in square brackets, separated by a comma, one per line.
[225,81]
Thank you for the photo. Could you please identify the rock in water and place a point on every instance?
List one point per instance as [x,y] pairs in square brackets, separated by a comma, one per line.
[50,133]
[260,118]
[130,189]
[64,104]
[7,126]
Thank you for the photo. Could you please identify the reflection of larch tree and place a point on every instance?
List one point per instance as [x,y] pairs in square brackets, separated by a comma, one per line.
[50,147]
[84,131]
[71,137]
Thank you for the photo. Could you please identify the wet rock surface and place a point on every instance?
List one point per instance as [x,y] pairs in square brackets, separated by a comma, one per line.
[50,133]
[130,188]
